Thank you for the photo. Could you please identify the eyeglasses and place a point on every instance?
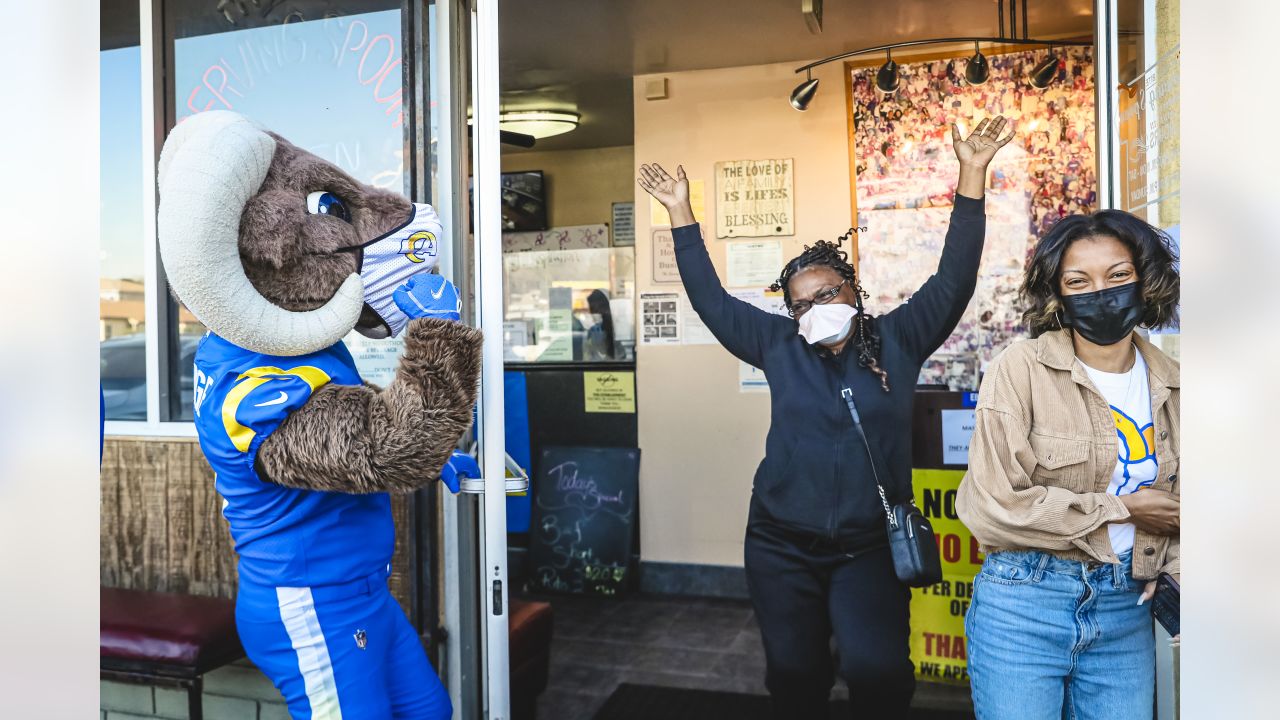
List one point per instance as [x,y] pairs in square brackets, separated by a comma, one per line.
[823,297]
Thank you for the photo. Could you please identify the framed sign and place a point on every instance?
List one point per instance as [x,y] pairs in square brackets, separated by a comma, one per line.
[755,198]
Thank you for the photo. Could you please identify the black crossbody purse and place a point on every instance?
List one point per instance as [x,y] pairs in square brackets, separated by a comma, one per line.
[911,540]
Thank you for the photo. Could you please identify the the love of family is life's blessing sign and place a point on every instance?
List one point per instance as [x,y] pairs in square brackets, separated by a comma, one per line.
[755,198]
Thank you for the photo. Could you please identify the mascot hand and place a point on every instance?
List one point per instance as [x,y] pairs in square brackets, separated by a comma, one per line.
[460,465]
[429,296]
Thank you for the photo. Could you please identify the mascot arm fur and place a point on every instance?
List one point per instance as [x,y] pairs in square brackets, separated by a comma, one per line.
[359,439]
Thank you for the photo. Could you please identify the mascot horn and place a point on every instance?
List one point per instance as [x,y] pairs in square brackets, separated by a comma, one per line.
[280,254]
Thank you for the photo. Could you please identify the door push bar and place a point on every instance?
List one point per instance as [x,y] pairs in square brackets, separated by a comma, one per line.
[517,485]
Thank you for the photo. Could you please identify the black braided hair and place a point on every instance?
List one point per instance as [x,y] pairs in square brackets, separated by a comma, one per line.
[823,253]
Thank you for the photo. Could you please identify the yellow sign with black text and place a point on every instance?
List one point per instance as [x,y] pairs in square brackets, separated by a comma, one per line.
[939,648]
[609,392]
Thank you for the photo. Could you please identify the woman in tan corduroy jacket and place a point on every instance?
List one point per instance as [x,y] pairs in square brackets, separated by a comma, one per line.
[1072,487]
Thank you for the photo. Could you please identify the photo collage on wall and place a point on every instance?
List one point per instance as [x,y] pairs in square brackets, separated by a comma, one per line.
[905,176]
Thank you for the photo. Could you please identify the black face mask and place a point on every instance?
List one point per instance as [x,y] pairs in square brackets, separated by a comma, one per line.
[1105,317]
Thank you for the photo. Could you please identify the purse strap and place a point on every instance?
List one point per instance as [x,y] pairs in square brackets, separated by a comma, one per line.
[847,394]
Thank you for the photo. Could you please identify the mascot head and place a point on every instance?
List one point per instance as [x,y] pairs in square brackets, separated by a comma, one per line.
[277,250]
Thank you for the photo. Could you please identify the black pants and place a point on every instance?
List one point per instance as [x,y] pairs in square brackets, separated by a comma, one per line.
[804,590]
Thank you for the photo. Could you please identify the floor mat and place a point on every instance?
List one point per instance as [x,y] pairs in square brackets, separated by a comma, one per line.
[646,702]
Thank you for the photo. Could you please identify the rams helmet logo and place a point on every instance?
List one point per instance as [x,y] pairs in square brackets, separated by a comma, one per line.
[418,245]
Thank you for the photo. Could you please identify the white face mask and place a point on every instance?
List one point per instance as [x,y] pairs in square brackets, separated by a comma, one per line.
[827,324]
[387,262]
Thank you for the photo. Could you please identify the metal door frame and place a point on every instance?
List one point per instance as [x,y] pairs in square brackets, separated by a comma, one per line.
[473,523]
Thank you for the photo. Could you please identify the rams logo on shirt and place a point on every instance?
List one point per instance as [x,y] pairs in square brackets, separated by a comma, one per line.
[1137,445]
[417,245]
[302,380]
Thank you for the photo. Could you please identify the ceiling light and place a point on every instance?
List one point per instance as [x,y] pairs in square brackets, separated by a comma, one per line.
[1043,74]
[887,75]
[977,71]
[803,94]
[538,123]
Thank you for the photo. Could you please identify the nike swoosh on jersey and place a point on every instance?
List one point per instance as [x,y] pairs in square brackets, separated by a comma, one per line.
[284,397]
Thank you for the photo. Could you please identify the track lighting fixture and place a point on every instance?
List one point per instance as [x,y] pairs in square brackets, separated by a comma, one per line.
[803,93]
[977,70]
[1043,74]
[887,76]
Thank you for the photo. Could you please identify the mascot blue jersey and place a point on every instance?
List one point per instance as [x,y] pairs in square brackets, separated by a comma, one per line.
[284,536]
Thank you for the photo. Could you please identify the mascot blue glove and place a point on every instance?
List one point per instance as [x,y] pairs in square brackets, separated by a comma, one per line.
[429,296]
[459,465]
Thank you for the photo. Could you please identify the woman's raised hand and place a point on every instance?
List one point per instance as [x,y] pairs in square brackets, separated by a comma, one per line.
[672,192]
[982,143]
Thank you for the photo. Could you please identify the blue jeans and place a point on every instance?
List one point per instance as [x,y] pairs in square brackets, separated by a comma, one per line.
[1051,639]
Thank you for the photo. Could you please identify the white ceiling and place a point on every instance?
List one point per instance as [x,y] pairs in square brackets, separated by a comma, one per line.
[581,55]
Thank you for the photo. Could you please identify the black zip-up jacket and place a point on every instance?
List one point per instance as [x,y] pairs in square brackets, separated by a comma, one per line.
[815,477]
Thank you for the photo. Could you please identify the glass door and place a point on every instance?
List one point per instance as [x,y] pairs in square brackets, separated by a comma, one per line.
[474,523]
[1139,52]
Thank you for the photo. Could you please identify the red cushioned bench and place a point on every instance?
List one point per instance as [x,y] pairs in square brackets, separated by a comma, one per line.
[172,639]
[166,639]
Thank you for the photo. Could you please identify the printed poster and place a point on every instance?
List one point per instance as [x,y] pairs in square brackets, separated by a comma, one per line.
[755,198]
[660,318]
[376,360]
[609,392]
[939,648]
[770,302]
[624,224]
[664,257]
[751,379]
[753,263]
[694,331]
[957,429]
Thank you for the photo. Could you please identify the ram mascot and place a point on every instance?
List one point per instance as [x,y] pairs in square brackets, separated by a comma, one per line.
[280,254]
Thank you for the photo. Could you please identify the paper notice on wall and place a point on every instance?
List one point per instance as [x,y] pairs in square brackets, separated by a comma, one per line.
[376,360]
[609,392]
[753,263]
[559,326]
[751,379]
[697,199]
[957,429]
[624,224]
[694,332]
[660,318]
[664,257]
[770,302]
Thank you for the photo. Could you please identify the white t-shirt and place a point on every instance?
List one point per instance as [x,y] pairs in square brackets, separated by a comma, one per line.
[1129,396]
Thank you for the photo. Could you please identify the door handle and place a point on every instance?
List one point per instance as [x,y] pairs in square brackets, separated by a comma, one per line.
[514,486]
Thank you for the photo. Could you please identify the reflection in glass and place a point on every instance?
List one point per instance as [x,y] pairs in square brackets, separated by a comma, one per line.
[122,309]
[569,305]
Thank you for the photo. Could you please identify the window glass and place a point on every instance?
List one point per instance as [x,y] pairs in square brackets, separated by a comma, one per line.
[122,308]
[1148,168]
[569,305]
[329,82]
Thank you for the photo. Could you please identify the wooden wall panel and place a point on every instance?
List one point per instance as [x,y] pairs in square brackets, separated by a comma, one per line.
[162,524]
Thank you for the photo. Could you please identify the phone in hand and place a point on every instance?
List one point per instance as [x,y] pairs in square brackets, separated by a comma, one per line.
[1166,604]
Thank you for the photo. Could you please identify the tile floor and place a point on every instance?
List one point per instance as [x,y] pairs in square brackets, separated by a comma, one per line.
[705,643]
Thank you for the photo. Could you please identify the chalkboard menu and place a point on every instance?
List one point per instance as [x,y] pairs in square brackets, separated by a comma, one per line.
[584,516]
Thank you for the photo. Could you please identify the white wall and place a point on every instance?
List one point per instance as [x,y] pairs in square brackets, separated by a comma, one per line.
[702,439]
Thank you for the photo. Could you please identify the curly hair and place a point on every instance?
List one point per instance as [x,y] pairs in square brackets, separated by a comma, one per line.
[1153,256]
[866,340]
